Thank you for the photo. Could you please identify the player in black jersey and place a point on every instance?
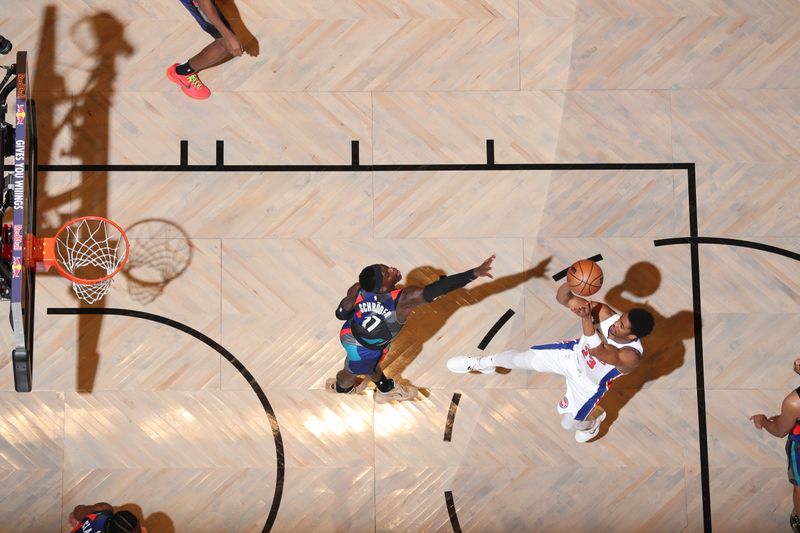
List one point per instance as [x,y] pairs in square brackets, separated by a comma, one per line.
[374,312]
[787,424]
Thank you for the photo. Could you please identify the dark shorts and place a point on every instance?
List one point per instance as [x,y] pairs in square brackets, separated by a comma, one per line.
[360,359]
[200,17]
[793,460]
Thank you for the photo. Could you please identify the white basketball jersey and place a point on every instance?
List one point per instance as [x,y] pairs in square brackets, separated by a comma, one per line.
[594,369]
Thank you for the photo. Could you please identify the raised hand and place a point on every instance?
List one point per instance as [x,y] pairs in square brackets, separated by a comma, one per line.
[485,268]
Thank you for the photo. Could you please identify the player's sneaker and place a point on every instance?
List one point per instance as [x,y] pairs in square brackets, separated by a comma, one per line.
[358,388]
[398,393]
[189,84]
[467,363]
[584,435]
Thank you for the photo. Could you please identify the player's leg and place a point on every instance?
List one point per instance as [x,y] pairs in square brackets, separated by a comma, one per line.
[185,74]
[793,460]
[388,390]
[549,358]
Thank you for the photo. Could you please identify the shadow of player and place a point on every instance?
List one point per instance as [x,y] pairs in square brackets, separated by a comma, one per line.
[664,350]
[425,321]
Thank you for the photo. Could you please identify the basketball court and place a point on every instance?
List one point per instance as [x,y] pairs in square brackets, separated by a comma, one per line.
[660,139]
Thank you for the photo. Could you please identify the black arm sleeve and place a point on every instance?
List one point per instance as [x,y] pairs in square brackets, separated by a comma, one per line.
[447,284]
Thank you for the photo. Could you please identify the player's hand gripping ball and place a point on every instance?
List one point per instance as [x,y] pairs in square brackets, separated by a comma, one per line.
[584,277]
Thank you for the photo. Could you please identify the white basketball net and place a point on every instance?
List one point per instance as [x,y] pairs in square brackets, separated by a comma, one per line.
[96,246]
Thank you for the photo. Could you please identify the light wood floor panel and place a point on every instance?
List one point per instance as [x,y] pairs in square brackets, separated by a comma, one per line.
[602,203]
[31,498]
[378,9]
[328,499]
[736,126]
[244,205]
[737,357]
[447,204]
[615,126]
[518,499]
[749,281]
[742,493]
[662,53]
[674,8]
[381,55]
[453,127]
[546,48]
[262,129]
[748,200]
[140,430]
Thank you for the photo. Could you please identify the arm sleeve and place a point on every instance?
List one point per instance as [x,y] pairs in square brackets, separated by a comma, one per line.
[446,284]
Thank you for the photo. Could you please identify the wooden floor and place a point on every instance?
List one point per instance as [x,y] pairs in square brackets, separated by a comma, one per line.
[149,417]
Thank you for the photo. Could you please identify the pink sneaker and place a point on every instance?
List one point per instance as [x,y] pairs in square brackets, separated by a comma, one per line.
[189,84]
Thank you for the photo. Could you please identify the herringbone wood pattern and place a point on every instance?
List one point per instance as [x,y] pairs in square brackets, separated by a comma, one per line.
[150,419]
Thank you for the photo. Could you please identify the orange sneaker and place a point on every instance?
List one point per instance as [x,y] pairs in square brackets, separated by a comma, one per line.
[190,84]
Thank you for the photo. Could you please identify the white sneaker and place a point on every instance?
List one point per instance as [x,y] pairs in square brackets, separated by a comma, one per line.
[467,363]
[584,435]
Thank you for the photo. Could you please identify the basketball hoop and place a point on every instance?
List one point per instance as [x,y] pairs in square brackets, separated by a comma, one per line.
[89,251]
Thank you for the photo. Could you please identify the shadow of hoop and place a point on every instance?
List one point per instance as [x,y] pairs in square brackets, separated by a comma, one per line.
[160,252]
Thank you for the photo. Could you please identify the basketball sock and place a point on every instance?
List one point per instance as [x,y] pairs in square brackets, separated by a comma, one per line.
[184,69]
[348,389]
[384,384]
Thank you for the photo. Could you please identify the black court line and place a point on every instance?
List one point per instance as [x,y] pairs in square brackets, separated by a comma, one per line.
[490,152]
[354,152]
[493,331]
[730,242]
[456,167]
[558,276]
[451,416]
[273,421]
[451,511]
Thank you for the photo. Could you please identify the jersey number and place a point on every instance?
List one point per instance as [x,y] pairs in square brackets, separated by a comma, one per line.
[371,323]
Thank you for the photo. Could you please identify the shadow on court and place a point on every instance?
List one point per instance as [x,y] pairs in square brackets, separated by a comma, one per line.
[425,321]
[82,117]
[664,350]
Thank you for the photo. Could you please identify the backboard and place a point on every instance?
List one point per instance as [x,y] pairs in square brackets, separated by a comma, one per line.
[20,196]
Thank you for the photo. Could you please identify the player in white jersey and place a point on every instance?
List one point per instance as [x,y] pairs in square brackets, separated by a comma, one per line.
[609,347]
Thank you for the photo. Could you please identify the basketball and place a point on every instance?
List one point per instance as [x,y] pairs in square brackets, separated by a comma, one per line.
[584,277]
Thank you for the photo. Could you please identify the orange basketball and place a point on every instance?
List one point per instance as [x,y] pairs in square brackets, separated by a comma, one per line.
[584,277]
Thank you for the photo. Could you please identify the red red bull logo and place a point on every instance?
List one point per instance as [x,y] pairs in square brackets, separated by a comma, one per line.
[16,268]
[20,114]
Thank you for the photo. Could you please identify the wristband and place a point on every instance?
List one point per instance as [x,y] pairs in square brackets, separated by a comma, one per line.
[593,341]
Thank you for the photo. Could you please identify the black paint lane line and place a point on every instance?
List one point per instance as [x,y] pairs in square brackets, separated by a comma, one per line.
[273,421]
[451,416]
[441,167]
[558,276]
[451,511]
[492,332]
[730,242]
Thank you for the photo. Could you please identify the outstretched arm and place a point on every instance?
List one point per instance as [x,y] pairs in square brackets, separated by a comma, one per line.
[413,296]
[346,306]
[781,424]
